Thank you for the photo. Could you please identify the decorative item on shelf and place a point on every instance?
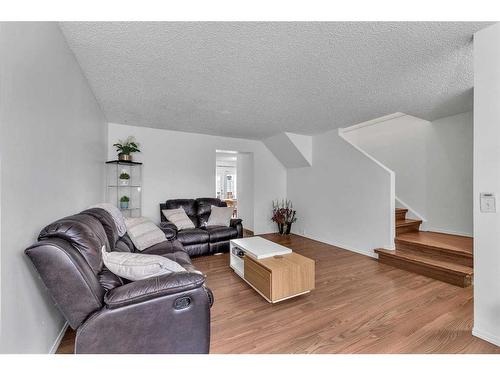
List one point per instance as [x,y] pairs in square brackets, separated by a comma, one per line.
[126,148]
[124,202]
[124,178]
[284,215]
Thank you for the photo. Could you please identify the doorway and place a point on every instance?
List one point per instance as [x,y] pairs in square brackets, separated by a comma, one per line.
[226,178]
[234,184]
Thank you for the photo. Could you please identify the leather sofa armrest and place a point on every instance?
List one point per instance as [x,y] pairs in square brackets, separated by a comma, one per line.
[234,222]
[237,223]
[154,287]
[170,229]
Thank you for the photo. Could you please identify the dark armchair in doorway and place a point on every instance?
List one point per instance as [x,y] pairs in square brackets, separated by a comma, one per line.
[202,239]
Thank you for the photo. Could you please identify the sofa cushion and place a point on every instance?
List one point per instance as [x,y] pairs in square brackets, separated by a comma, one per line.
[220,216]
[192,236]
[135,266]
[189,206]
[197,249]
[125,244]
[84,232]
[219,247]
[220,233]
[143,232]
[165,247]
[178,217]
[180,257]
[204,207]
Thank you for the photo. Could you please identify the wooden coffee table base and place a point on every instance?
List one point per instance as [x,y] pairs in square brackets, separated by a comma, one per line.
[280,277]
[278,300]
[274,271]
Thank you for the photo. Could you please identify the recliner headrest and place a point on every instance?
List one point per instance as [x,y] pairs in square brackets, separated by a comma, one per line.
[189,205]
[107,223]
[205,205]
[84,232]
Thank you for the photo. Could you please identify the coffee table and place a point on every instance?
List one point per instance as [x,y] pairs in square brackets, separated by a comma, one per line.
[273,270]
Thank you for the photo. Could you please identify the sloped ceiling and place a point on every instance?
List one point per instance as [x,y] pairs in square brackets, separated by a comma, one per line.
[254,80]
[292,150]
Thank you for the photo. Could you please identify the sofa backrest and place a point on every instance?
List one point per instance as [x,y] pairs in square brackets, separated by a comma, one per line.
[189,205]
[198,210]
[204,208]
[68,258]
[107,223]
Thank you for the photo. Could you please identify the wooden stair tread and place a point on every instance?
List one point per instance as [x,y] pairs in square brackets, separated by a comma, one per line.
[439,256]
[407,223]
[429,262]
[439,241]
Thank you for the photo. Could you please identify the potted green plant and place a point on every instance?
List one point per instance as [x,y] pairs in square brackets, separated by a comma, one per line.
[126,148]
[124,178]
[124,202]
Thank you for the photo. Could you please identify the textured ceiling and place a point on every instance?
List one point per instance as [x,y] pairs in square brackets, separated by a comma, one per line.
[254,80]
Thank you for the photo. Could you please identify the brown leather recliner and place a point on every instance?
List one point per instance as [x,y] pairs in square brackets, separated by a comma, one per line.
[165,314]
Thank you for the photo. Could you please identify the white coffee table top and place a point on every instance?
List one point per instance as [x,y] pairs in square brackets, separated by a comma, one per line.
[260,248]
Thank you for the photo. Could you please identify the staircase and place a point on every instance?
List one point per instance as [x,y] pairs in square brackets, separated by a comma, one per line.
[440,256]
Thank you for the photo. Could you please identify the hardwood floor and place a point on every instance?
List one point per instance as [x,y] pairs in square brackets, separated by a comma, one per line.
[67,345]
[358,306]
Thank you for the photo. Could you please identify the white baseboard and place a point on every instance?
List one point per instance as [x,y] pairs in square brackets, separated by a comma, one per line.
[440,230]
[59,338]
[495,340]
[370,254]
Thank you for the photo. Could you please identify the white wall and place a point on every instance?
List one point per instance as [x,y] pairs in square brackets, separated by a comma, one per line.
[182,165]
[432,162]
[399,144]
[345,198]
[53,144]
[245,188]
[487,179]
[449,177]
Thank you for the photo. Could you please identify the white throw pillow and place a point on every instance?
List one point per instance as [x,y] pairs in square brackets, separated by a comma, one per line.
[179,218]
[143,232]
[135,266]
[220,216]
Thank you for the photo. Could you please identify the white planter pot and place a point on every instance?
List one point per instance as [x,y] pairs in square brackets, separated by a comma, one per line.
[124,182]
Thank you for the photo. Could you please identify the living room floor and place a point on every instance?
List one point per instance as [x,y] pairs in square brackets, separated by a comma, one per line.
[358,306]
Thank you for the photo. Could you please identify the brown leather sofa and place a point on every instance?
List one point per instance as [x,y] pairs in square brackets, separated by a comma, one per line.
[202,239]
[165,314]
